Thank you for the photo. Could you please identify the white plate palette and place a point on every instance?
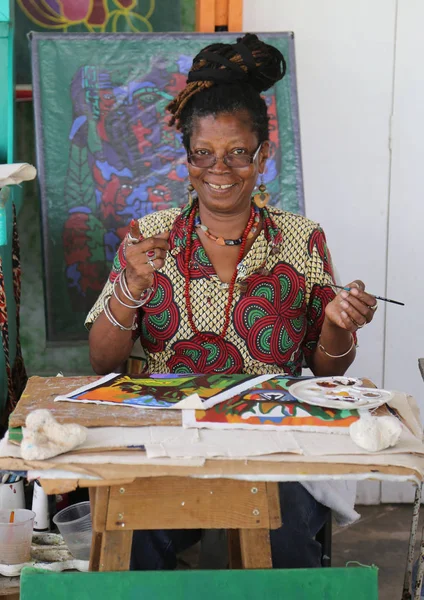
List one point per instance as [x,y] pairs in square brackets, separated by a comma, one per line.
[339,392]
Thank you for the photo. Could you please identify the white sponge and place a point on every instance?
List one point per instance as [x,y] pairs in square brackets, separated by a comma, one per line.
[375,433]
[44,437]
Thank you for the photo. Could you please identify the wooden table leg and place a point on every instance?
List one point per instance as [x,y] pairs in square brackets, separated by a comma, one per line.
[234,550]
[99,498]
[115,551]
[96,540]
[255,549]
[251,548]
[110,550]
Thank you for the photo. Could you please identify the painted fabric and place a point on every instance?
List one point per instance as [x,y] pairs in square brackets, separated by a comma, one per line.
[169,390]
[106,154]
[270,405]
[5,338]
[91,16]
[19,376]
[16,374]
[282,288]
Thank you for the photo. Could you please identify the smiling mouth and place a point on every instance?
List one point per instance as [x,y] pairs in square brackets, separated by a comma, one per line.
[222,188]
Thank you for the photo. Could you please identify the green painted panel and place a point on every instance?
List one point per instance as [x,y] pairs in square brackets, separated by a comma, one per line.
[40,358]
[106,156]
[357,583]
[6,81]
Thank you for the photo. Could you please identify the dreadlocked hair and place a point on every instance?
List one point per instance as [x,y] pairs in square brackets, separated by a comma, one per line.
[226,78]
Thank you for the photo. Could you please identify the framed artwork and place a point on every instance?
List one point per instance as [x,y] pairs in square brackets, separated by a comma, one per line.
[106,155]
[91,16]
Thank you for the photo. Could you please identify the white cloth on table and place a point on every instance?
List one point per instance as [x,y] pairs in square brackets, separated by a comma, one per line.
[339,495]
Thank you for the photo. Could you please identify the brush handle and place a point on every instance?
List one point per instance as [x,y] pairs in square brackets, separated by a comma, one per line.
[347,289]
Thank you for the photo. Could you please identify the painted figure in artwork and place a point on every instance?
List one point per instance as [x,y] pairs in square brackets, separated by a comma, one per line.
[122,163]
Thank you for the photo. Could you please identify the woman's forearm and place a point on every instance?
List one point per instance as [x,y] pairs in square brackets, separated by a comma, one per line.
[337,342]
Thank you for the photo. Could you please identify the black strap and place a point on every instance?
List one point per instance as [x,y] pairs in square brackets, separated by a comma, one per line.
[232,72]
[217,76]
[246,55]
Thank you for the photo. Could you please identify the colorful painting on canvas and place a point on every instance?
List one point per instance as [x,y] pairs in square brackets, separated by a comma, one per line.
[163,391]
[106,154]
[270,405]
[93,16]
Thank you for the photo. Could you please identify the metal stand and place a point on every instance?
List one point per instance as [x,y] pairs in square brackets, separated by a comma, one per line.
[407,582]
[420,571]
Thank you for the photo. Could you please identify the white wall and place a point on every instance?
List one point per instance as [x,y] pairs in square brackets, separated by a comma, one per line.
[405,268]
[360,85]
[405,328]
[344,57]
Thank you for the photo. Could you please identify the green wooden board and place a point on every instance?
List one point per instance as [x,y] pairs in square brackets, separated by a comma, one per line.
[354,583]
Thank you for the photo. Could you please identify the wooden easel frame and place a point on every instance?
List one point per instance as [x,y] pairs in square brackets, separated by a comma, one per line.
[219,15]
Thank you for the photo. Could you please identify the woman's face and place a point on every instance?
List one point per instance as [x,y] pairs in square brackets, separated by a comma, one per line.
[220,188]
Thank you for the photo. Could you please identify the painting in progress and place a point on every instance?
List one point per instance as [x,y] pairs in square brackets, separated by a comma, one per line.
[270,405]
[164,391]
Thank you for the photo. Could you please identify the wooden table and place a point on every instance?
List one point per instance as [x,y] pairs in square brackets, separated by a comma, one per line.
[249,509]
[238,495]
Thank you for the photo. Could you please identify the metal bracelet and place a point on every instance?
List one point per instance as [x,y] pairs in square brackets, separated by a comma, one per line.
[321,347]
[145,296]
[136,305]
[111,318]
[131,240]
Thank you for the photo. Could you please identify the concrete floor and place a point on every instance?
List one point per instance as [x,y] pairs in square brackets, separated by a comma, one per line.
[380,537]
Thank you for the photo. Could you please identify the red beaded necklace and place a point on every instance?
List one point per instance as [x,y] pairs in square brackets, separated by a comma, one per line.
[203,336]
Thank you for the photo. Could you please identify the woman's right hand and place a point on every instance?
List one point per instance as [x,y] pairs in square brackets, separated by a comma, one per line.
[144,258]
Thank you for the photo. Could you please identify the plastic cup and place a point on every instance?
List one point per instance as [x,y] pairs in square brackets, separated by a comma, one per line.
[74,523]
[15,538]
[12,495]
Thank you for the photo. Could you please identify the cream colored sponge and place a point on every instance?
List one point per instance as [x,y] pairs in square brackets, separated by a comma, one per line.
[44,437]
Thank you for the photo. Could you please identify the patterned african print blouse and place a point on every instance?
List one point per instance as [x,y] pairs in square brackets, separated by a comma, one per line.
[282,288]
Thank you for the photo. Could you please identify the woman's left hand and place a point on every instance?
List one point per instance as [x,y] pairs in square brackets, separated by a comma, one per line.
[351,309]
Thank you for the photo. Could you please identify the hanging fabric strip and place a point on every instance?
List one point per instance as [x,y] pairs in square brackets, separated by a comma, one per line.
[11,400]
[19,376]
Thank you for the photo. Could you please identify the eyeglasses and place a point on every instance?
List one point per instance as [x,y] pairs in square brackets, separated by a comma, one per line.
[234,161]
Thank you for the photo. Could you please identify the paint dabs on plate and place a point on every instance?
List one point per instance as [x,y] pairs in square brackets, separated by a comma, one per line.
[339,393]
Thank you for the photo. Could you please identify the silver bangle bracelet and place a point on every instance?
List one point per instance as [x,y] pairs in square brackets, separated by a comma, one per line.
[124,287]
[135,306]
[111,318]
[145,296]
[321,347]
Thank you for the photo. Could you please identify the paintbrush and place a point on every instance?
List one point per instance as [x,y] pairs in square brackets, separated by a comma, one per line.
[341,287]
